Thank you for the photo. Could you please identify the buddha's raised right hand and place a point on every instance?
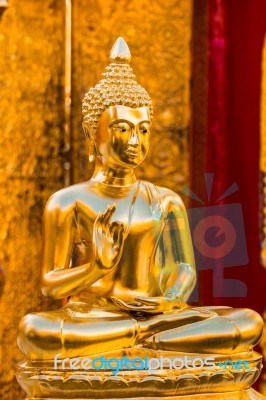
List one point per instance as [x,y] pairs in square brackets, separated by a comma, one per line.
[108,239]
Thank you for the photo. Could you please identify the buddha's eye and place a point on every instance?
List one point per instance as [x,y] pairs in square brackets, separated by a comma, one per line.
[144,129]
[122,127]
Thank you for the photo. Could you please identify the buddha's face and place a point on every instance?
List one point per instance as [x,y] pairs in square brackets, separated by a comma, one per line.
[123,135]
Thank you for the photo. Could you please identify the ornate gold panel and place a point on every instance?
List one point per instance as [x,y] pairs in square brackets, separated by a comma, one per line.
[158,34]
[31,132]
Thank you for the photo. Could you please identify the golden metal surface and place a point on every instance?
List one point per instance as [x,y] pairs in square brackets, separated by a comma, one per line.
[159,37]
[121,249]
[31,105]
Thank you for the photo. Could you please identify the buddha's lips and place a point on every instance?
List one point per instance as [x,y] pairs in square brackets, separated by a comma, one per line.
[131,152]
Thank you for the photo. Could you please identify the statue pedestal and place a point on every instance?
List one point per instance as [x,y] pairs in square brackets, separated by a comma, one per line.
[41,381]
[243,395]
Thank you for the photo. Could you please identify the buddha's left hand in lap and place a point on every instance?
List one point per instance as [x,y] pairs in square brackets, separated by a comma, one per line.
[151,305]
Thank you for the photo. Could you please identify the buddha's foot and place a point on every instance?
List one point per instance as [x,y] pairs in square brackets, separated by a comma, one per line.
[42,381]
[226,331]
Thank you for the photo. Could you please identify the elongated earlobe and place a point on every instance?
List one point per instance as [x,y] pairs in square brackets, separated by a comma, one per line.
[90,143]
[91,147]
[87,131]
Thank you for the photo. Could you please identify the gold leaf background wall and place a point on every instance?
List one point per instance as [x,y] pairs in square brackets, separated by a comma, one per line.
[31,127]
[32,40]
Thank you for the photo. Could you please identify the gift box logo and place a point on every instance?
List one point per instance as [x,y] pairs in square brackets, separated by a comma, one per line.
[219,240]
[218,235]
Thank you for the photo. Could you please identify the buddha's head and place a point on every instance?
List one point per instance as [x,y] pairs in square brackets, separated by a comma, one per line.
[117,113]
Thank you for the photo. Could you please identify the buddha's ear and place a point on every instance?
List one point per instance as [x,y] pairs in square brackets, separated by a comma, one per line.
[88,131]
[91,146]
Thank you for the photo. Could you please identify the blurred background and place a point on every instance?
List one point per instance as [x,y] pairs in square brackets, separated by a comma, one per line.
[203,63]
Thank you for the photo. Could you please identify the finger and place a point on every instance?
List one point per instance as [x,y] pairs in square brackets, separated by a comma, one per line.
[115,226]
[130,307]
[120,233]
[152,301]
[152,311]
[120,303]
[99,226]
[117,230]
[98,220]
[108,214]
[148,309]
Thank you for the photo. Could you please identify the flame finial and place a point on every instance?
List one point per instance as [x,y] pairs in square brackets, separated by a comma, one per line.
[120,52]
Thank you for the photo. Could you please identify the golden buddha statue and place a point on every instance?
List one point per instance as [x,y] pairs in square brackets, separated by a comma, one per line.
[133,268]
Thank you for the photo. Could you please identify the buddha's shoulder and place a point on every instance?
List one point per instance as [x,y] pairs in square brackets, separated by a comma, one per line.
[164,195]
[67,197]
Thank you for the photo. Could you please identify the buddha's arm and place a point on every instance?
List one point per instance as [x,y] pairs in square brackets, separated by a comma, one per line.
[178,274]
[59,231]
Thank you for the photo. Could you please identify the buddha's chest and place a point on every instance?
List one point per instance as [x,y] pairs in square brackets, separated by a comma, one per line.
[139,216]
[143,219]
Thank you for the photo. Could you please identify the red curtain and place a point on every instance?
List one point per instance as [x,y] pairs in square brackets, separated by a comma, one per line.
[236,30]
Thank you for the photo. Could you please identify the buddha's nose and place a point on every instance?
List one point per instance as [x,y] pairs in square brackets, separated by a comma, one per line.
[134,140]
